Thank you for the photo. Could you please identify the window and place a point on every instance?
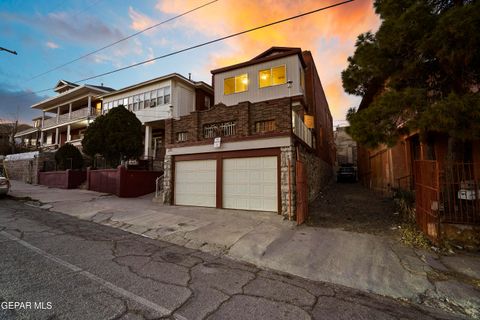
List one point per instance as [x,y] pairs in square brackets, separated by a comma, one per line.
[182,136]
[147,99]
[166,95]
[115,103]
[130,103]
[207,102]
[235,84]
[272,77]
[136,101]
[265,126]
[223,129]
[140,104]
[153,98]
[125,102]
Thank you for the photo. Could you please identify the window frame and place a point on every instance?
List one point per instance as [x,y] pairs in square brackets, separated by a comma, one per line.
[271,76]
[235,84]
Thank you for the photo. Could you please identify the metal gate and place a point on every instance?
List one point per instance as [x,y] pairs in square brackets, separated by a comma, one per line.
[427,202]
[302,198]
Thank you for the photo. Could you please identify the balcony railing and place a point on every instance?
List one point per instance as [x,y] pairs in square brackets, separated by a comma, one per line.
[223,129]
[301,130]
[66,117]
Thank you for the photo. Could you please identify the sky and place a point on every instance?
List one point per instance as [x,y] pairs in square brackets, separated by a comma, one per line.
[47,34]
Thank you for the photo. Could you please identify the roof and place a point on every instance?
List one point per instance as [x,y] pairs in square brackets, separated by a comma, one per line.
[271,54]
[162,78]
[71,94]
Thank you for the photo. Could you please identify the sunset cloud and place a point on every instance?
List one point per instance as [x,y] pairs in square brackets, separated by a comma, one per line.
[140,21]
[330,35]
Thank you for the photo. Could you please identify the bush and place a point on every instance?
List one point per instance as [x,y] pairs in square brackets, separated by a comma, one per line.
[68,157]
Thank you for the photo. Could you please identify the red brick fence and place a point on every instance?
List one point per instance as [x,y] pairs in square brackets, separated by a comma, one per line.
[68,179]
[122,182]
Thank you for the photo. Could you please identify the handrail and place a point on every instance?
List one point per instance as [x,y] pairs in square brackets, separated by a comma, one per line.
[158,185]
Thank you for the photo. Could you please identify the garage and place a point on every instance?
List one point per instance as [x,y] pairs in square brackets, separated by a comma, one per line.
[195,183]
[250,183]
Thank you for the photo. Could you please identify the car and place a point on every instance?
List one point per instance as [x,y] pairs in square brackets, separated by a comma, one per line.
[4,182]
[346,174]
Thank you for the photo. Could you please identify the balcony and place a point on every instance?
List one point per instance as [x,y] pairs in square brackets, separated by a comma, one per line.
[301,130]
[68,117]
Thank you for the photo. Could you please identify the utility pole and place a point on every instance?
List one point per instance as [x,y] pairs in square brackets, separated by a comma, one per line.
[8,50]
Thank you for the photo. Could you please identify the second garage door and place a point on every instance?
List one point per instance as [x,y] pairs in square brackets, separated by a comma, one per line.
[250,183]
[195,183]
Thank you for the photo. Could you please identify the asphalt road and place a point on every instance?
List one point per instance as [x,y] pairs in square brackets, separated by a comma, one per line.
[53,266]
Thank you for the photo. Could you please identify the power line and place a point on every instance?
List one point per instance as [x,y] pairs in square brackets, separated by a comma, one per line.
[121,40]
[208,43]
[8,50]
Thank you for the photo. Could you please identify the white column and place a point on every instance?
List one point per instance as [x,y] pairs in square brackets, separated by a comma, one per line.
[41,138]
[89,105]
[56,136]
[58,113]
[70,111]
[43,118]
[148,140]
[68,133]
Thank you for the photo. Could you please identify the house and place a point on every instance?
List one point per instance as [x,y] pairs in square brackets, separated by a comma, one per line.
[29,138]
[154,101]
[266,144]
[346,147]
[66,115]
[8,141]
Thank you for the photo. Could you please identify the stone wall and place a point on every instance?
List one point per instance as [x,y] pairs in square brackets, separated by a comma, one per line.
[319,173]
[26,170]
[288,188]
[168,180]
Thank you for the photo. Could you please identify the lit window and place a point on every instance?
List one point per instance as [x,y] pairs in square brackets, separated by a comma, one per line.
[265,78]
[235,84]
[229,86]
[272,77]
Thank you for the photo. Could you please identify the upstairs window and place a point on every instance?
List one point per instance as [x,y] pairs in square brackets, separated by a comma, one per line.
[235,84]
[182,136]
[272,77]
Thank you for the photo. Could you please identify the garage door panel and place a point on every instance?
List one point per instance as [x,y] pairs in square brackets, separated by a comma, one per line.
[250,183]
[195,183]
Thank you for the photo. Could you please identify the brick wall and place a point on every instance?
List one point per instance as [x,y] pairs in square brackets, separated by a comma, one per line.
[245,115]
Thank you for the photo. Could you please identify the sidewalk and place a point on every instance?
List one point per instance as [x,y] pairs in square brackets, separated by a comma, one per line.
[366,262]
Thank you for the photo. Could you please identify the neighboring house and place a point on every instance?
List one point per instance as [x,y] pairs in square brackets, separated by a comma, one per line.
[66,115]
[346,147]
[242,153]
[29,138]
[154,101]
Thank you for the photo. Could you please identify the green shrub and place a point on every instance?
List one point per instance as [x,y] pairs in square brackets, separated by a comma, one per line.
[68,157]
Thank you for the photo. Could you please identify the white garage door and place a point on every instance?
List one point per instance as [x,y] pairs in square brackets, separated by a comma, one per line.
[195,183]
[250,183]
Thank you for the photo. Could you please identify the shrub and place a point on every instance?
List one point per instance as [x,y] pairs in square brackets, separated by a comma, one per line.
[68,157]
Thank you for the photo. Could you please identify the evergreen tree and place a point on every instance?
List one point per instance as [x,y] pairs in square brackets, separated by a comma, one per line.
[116,136]
[419,71]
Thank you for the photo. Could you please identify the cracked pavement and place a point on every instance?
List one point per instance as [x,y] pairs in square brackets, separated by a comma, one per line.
[91,271]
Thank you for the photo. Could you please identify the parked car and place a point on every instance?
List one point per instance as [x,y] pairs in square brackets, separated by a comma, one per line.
[4,182]
[346,174]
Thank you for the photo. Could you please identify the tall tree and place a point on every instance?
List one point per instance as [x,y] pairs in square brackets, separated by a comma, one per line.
[419,71]
[116,136]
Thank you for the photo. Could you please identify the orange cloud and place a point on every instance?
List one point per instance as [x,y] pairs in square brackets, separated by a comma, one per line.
[330,35]
[140,21]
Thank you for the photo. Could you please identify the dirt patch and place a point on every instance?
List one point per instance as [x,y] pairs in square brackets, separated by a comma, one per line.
[352,207]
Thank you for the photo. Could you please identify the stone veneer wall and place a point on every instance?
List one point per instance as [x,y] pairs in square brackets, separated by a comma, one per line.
[318,171]
[287,153]
[26,170]
[168,180]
